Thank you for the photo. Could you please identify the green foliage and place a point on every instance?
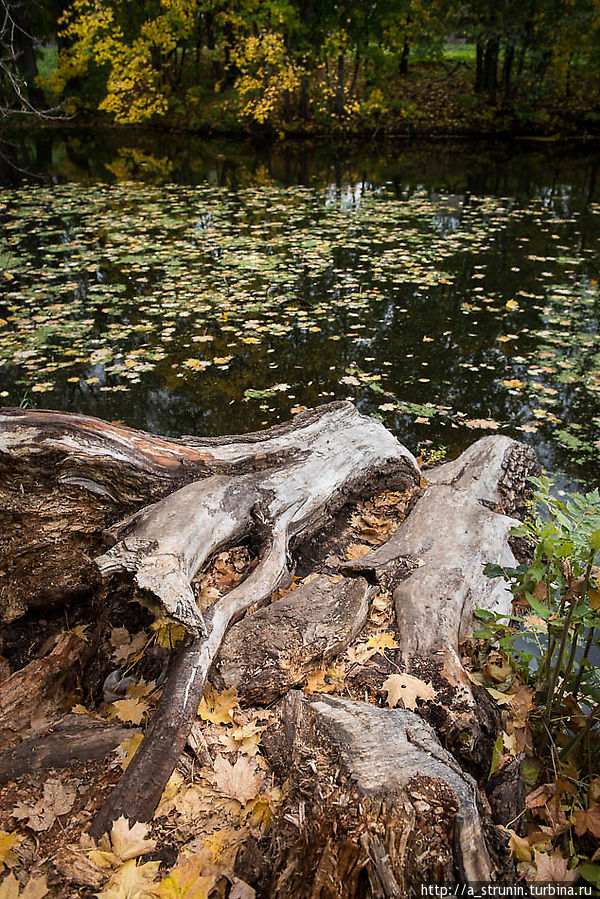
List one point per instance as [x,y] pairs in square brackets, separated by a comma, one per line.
[561,591]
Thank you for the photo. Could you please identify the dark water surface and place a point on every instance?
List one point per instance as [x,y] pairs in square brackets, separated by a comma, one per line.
[185,285]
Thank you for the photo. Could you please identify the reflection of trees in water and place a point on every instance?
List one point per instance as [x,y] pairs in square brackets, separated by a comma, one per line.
[459,167]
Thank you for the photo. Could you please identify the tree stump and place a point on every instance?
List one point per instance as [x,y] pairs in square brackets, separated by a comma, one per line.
[380,798]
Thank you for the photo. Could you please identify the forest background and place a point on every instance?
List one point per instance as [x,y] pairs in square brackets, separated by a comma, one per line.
[308,66]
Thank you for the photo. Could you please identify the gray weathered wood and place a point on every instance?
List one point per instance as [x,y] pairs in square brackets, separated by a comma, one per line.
[435,564]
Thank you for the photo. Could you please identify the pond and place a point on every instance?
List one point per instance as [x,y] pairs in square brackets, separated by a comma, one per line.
[186,285]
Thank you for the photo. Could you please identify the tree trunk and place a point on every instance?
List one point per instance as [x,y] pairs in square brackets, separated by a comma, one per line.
[382,797]
[340,87]
[404,57]
[509,57]
[479,80]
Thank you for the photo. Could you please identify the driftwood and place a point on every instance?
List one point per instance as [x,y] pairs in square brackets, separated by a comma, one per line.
[140,516]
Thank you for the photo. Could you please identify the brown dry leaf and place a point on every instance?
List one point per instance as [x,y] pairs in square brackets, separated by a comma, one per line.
[140,689]
[540,796]
[408,689]
[588,822]
[187,880]
[243,739]
[497,668]
[241,890]
[120,640]
[520,847]
[486,424]
[553,868]
[132,881]
[218,707]
[35,888]
[357,551]
[57,800]
[130,842]
[510,743]
[359,654]
[132,710]
[7,841]
[240,781]
[500,697]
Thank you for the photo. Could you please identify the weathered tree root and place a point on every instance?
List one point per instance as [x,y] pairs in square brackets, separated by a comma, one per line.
[165,507]
[309,469]
[434,563]
[73,738]
[273,650]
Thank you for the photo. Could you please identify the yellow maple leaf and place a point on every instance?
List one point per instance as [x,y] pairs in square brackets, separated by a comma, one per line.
[383,641]
[132,881]
[7,841]
[187,880]
[218,707]
[129,710]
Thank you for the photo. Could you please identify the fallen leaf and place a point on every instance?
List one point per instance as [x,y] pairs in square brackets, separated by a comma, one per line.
[357,551]
[520,848]
[129,710]
[240,781]
[319,681]
[482,423]
[7,841]
[187,880]
[130,842]
[241,890]
[57,800]
[383,641]
[243,739]
[361,653]
[553,868]
[132,881]
[407,688]
[218,707]
[35,888]
[588,822]
[128,748]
